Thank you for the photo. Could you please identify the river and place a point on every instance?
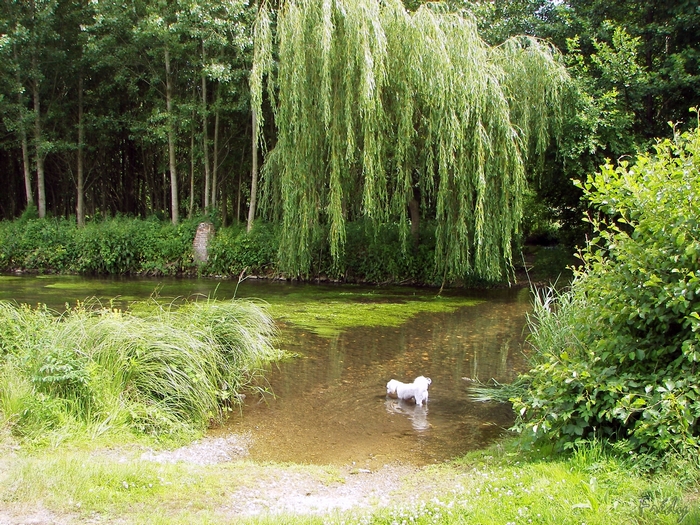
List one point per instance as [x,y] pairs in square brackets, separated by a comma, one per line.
[329,404]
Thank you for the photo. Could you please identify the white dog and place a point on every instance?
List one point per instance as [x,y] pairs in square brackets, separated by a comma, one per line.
[417,391]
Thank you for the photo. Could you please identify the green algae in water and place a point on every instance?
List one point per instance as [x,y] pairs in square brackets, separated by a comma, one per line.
[328,317]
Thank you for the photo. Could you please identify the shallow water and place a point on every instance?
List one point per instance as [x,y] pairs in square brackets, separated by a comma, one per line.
[329,405]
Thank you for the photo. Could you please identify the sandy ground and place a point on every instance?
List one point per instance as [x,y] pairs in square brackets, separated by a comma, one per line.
[284,490]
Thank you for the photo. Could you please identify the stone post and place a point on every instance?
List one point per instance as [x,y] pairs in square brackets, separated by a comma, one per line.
[205,231]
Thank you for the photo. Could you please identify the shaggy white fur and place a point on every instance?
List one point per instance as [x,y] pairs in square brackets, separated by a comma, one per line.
[417,391]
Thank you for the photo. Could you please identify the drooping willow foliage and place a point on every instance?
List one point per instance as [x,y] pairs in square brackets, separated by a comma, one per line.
[375,106]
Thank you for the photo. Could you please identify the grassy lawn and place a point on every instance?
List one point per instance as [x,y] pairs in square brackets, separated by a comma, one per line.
[503,484]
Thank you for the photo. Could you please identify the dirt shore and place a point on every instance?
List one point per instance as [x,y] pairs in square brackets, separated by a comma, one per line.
[272,489]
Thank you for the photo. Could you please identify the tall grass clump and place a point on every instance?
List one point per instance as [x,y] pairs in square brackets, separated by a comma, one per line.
[157,370]
[617,356]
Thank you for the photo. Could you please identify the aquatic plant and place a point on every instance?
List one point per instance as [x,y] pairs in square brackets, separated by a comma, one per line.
[157,369]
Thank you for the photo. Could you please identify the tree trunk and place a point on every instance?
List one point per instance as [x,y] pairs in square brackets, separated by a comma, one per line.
[23,137]
[25,167]
[80,208]
[238,196]
[171,140]
[240,181]
[254,175]
[191,208]
[41,189]
[205,136]
[215,165]
[224,204]
[414,210]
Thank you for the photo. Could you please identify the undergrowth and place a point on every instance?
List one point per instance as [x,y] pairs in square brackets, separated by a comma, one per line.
[616,355]
[153,247]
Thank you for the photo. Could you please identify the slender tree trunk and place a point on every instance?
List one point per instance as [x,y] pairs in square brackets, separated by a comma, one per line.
[238,196]
[240,182]
[215,165]
[171,140]
[80,209]
[254,175]
[205,135]
[191,208]
[254,169]
[23,137]
[224,204]
[25,166]
[41,188]
[414,212]
[103,196]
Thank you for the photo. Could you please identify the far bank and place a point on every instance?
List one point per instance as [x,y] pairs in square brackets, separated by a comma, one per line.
[151,247]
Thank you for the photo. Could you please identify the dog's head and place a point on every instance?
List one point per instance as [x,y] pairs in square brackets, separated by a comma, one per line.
[391,387]
[422,381]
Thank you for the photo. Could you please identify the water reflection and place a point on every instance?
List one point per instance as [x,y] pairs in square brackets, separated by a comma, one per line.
[417,415]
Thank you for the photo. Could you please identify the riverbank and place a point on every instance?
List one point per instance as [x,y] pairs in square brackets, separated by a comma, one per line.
[149,247]
[211,481]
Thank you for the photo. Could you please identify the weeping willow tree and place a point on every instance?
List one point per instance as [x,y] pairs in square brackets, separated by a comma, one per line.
[376,107]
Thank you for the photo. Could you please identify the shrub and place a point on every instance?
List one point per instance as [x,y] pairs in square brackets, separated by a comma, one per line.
[233,250]
[617,355]
[375,253]
[130,246]
[114,246]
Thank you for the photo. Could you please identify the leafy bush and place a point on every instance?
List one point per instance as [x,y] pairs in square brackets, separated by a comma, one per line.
[371,255]
[617,355]
[375,253]
[130,246]
[114,246]
[233,250]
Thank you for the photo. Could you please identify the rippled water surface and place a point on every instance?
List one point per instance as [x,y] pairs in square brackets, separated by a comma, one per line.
[329,404]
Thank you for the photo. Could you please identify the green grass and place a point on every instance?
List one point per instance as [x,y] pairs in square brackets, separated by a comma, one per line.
[503,484]
[589,487]
[155,370]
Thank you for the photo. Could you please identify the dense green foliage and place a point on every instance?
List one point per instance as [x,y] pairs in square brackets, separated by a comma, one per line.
[634,65]
[128,107]
[156,370]
[114,246]
[128,246]
[379,110]
[617,356]
[98,91]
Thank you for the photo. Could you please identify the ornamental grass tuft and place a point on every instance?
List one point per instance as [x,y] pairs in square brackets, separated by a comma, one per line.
[158,369]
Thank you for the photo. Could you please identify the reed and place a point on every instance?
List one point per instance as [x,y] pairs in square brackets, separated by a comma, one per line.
[157,369]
